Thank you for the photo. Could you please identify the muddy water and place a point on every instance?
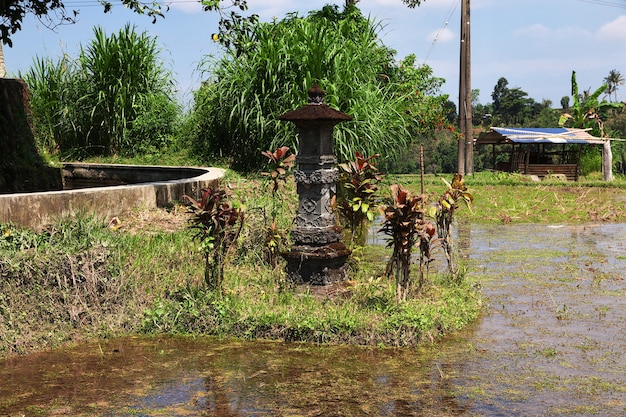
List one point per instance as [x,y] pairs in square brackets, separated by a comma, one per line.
[552,342]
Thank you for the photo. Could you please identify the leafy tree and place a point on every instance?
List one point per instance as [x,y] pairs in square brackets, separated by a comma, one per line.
[498,91]
[53,13]
[512,106]
[236,111]
[565,102]
[588,111]
[547,117]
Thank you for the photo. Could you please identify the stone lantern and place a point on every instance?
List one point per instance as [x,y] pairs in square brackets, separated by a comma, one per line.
[317,256]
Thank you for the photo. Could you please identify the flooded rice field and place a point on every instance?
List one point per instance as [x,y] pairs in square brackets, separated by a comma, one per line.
[551,342]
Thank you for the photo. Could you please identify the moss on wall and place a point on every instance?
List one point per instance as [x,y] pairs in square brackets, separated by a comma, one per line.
[21,167]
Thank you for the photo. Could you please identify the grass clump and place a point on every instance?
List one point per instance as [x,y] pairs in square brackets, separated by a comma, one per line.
[362,310]
[79,279]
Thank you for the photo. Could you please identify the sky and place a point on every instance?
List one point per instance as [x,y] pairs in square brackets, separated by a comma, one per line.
[534,44]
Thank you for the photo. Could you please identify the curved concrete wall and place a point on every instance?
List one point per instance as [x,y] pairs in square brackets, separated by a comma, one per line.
[143,187]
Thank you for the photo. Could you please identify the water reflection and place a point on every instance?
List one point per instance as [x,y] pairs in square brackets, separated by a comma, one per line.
[550,343]
[218,378]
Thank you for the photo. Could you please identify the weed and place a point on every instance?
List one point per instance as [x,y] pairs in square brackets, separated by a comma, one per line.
[404,221]
[281,162]
[217,223]
[358,183]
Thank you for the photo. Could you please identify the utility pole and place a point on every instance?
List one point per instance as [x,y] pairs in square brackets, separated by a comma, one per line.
[466,144]
[3,70]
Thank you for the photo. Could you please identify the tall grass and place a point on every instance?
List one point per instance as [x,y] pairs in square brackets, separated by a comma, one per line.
[115,98]
[236,111]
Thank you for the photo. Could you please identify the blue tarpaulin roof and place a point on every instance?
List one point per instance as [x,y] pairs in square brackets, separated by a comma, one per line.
[499,135]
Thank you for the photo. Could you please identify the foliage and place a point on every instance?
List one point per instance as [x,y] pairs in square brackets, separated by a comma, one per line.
[513,107]
[84,280]
[280,162]
[115,98]
[444,214]
[148,279]
[403,223]
[613,81]
[423,110]
[12,14]
[440,155]
[53,13]
[236,111]
[217,223]
[358,183]
[588,112]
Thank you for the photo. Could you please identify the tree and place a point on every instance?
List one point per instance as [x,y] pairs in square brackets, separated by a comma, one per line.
[498,91]
[588,112]
[410,3]
[612,81]
[512,106]
[53,13]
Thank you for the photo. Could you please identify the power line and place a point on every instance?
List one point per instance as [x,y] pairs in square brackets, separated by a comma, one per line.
[453,7]
[620,5]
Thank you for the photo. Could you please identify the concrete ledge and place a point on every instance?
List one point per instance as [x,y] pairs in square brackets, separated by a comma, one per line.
[145,187]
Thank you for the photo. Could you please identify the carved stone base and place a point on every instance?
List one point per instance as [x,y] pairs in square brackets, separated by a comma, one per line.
[317,265]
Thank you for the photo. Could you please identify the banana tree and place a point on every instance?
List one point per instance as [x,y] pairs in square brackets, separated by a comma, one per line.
[586,113]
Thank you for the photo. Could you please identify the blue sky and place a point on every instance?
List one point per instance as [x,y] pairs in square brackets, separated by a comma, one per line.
[534,44]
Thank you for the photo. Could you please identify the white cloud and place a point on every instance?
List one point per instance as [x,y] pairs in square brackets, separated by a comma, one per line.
[444,35]
[266,9]
[613,31]
[536,30]
[186,6]
[540,31]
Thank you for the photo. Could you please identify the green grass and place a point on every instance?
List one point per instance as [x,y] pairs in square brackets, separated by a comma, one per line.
[81,279]
[509,199]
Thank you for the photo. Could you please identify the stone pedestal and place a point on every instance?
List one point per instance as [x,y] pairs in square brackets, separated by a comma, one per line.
[317,255]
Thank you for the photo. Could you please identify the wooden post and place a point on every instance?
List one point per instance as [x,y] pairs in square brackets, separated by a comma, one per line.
[466,146]
[3,70]
[607,161]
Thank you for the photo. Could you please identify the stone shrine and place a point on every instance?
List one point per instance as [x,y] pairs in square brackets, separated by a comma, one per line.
[317,256]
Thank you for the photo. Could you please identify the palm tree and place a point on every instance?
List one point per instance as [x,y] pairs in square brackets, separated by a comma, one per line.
[613,80]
